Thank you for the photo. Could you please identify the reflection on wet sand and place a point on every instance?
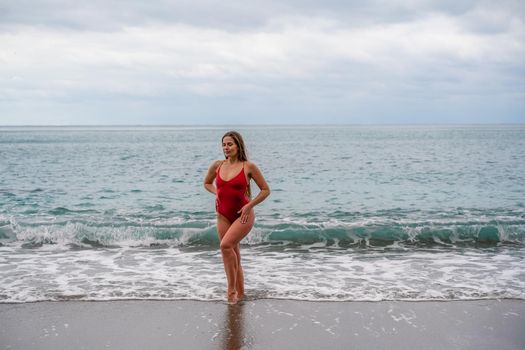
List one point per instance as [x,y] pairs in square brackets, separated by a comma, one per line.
[233,334]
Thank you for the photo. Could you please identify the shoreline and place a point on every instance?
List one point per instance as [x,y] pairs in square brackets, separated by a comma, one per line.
[248,300]
[264,324]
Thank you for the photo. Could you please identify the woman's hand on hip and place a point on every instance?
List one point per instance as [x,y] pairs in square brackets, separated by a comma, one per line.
[245,213]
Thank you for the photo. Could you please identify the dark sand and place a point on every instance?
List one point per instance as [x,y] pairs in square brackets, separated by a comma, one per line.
[264,324]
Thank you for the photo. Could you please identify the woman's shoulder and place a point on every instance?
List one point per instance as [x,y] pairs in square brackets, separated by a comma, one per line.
[250,165]
[216,163]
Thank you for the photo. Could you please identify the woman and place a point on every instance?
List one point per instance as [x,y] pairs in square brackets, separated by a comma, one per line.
[235,215]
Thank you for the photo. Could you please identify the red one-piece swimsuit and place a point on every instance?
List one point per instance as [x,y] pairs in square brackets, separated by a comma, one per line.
[231,195]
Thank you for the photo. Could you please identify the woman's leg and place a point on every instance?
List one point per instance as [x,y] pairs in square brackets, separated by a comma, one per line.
[229,244]
[223,225]
[239,285]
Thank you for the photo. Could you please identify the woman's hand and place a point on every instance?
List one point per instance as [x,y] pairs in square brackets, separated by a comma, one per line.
[245,213]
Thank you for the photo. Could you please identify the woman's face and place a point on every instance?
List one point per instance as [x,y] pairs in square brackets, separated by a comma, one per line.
[229,147]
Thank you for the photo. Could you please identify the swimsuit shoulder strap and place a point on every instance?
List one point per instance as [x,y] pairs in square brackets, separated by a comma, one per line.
[218,168]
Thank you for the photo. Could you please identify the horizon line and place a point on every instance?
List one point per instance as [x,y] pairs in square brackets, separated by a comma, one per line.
[243,125]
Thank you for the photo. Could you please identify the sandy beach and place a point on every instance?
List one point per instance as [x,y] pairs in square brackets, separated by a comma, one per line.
[264,324]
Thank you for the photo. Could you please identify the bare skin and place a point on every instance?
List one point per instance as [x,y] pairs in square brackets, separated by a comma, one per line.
[231,233]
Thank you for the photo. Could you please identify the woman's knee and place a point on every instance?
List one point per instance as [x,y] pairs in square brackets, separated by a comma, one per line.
[227,246]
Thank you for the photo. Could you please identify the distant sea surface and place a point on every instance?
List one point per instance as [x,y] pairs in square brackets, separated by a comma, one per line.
[356,213]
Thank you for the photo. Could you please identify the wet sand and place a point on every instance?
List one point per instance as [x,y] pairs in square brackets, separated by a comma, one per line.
[263,324]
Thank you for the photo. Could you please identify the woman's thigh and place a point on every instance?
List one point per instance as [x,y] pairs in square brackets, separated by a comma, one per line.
[237,231]
[223,225]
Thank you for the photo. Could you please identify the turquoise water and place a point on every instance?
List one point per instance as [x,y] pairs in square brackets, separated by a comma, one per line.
[356,213]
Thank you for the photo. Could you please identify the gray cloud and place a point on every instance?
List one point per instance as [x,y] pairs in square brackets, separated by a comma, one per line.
[376,61]
[100,15]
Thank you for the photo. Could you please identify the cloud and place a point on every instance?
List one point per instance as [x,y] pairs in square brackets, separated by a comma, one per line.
[104,15]
[347,55]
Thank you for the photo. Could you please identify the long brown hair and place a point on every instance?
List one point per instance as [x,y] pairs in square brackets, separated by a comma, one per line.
[237,138]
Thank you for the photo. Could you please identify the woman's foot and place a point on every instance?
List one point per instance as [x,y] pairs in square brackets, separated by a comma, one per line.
[232,298]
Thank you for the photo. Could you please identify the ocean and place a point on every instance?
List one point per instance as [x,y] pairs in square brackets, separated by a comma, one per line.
[356,213]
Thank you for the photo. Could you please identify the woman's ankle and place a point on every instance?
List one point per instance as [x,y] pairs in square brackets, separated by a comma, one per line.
[232,297]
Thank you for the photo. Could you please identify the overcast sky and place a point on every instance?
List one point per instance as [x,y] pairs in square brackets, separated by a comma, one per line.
[261,62]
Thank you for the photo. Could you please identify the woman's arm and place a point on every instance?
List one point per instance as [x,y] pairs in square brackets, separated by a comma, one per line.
[210,176]
[258,177]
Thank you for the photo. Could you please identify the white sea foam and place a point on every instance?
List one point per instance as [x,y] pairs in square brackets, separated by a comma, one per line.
[308,273]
